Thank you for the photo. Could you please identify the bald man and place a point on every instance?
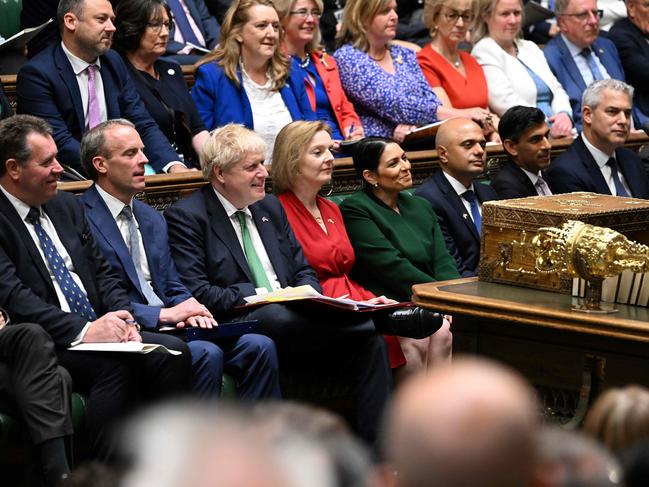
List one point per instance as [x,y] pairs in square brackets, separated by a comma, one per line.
[472,423]
[455,196]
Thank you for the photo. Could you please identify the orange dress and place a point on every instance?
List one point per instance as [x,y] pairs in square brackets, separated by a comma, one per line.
[331,255]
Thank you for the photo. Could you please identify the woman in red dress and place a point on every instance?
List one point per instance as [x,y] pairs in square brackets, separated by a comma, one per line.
[302,164]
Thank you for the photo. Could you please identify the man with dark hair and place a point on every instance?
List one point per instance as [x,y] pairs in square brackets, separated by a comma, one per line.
[80,82]
[455,196]
[597,160]
[34,388]
[524,136]
[53,273]
[133,238]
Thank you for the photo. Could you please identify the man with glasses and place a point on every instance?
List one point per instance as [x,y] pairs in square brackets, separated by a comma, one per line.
[630,37]
[579,55]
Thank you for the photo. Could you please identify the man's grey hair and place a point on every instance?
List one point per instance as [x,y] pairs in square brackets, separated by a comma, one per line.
[593,94]
[560,6]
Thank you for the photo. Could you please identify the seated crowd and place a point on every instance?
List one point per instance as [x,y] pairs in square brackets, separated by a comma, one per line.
[106,267]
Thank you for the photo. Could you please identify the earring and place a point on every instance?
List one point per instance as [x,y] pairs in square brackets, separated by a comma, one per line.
[375,185]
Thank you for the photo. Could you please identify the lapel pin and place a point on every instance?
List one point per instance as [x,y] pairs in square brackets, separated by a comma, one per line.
[171,71]
[465,216]
[601,51]
[330,221]
[264,219]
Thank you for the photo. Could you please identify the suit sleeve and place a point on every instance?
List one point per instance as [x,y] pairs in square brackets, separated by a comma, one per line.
[561,180]
[209,23]
[188,248]
[205,94]
[632,55]
[444,263]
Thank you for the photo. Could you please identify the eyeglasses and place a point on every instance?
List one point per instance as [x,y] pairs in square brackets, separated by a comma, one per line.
[157,26]
[583,16]
[304,13]
[453,15]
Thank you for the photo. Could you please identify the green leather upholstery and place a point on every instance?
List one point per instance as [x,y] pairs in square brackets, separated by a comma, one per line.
[10,18]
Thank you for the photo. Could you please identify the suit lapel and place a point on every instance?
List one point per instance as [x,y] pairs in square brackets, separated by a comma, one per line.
[595,173]
[221,225]
[108,80]
[522,178]
[70,80]
[148,234]
[268,234]
[569,63]
[627,171]
[456,203]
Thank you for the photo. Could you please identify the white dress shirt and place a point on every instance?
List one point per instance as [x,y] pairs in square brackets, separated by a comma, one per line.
[534,177]
[601,159]
[178,35]
[460,189]
[582,64]
[257,243]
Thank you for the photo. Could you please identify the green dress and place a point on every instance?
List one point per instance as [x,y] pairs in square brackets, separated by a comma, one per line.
[396,250]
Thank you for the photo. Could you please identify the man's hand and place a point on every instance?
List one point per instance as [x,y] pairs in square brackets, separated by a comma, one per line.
[3,320]
[180,168]
[190,309]
[112,327]
[380,300]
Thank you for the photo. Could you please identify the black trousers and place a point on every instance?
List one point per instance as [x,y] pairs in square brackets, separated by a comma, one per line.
[32,385]
[343,342]
[118,383]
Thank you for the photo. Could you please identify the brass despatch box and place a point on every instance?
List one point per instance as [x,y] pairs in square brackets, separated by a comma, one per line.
[508,227]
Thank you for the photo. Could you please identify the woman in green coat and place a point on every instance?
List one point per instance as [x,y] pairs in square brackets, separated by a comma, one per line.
[397,239]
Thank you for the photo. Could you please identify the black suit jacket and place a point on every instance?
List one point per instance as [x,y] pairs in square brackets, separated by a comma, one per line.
[209,257]
[26,290]
[511,182]
[461,237]
[576,170]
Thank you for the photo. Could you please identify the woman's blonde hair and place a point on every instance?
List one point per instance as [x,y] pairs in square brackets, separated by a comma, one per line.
[485,10]
[432,8]
[228,51]
[356,16]
[283,8]
[290,146]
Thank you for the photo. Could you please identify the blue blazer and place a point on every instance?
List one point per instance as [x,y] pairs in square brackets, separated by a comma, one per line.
[564,68]
[511,182]
[47,87]
[220,102]
[26,290]
[153,229]
[461,237]
[206,23]
[209,257]
[576,170]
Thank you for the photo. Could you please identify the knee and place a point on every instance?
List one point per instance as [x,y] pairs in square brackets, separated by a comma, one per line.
[207,353]
[259,344]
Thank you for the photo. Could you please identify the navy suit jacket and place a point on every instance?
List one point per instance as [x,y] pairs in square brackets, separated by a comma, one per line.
[206,23]
[511,182]
[461,237]
[564,68]
[633,47]
[47,87]
[576,170]
[26,290]
[153,230]
[209,257]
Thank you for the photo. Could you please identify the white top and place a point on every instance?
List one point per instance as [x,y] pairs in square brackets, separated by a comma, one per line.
[257,243]
[601,159]
[269,112]
[460,189]
[79,66]
[582,64]
[23,209]
[508,81]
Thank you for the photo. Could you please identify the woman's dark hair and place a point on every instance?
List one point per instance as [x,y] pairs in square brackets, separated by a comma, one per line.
[131,19]
[368,152]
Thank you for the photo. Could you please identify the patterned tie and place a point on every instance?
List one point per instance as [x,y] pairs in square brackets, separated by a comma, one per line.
[93,117]
[542,187]
[619,188]
[475,211]
[256,268]
[592,65]
[134,249]
[180,19]
[76,298]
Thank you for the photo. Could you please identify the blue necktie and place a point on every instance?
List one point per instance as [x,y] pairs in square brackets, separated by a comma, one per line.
[180,19]
[475,211]
[619,188]
[76,298]
[588,54]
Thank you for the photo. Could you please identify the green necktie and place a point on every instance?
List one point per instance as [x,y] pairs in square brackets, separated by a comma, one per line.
[256,268]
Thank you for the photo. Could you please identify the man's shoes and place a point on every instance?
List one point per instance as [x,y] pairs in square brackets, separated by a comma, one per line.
[412,322]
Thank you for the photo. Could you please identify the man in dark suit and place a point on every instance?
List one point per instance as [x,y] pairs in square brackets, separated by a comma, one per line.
[630,37]
[112,154]
[192,23]
[80,82]
[524,136]
[455,196]
[579,56]
[34,388]
[597,161]
[53,273]
[228,240]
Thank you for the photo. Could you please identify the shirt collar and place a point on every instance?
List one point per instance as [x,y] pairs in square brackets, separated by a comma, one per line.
[534,177]
[459,188]
[573,48]
[229,208]
[115,206]
[21,207]
[600,157]
[78,64]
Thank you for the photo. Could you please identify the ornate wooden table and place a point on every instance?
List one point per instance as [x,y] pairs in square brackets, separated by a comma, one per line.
[568,356]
